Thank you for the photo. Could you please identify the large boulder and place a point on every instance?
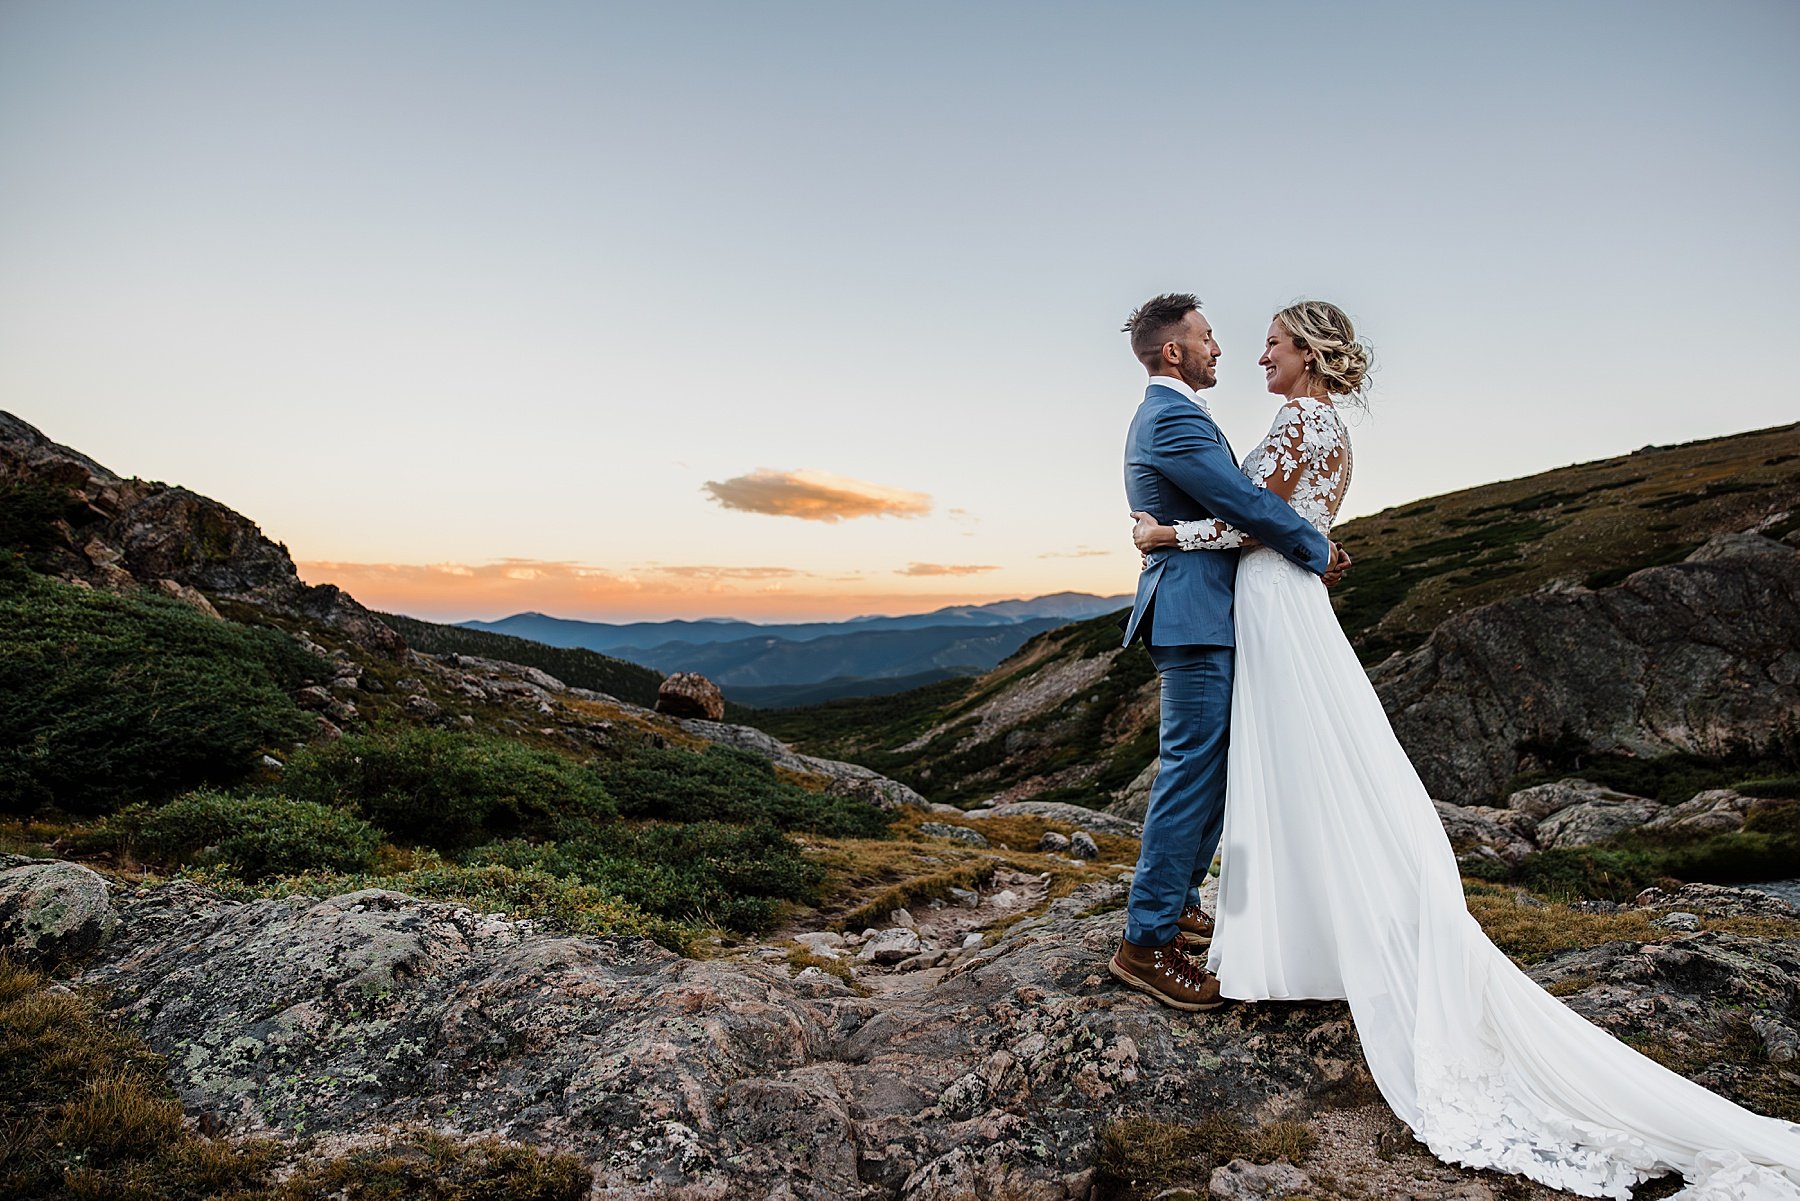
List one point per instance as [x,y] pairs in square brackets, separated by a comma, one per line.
[52,913]
[1540,802]
[1700,656]
[690,694]
[1133,801]
[1594,821]
[1716,811]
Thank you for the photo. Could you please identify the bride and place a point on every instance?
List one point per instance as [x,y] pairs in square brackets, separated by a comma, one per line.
[1337,880]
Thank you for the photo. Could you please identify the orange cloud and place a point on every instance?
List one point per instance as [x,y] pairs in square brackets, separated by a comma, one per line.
[1085,552]
[944,569]
[814,496]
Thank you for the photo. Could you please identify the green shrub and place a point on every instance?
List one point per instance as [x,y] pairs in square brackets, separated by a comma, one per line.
[108,699]
[256,835]
[1768,848]
[29,513]
[704,872]
[1586,873]
[450,790]
[723,784]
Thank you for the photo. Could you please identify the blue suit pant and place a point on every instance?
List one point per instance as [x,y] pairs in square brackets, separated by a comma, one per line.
[1187,803]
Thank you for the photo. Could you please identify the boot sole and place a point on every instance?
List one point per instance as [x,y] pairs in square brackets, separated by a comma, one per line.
[1124,977]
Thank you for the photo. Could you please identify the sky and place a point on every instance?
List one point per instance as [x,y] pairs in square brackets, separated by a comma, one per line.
[797,311]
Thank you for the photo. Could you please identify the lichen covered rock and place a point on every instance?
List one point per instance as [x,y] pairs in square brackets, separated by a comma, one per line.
[51,912]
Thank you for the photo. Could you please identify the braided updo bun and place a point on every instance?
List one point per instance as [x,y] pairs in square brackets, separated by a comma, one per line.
[1340,359]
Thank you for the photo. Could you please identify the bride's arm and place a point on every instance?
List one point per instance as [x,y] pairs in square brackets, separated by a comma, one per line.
[1207,534]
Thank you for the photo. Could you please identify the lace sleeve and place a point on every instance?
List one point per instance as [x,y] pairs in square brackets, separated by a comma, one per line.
[1208,534]
[1306,459]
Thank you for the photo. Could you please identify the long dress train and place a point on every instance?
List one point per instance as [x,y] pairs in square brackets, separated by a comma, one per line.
[1337,881]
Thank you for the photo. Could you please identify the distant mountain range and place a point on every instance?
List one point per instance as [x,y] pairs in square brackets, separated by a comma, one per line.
[847,655]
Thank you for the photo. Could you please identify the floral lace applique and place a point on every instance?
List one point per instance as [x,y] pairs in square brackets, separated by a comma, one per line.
[1306,452]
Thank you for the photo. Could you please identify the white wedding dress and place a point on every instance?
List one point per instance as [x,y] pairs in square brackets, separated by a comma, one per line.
[1337,881]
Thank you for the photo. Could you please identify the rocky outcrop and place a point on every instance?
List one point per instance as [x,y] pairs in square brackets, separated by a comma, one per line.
[1594,821]
[1073,816]
[690,694]
[1716,811]
[728,1079]
[120,534]
[1475,826]
[1700,656]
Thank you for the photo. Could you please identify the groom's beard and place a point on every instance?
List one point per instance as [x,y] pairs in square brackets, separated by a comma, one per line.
[1204,377]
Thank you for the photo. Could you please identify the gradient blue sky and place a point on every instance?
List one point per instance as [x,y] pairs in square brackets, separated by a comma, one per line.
[468,302]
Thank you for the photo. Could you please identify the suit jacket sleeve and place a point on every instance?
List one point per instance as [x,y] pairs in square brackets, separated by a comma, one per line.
[1189,451]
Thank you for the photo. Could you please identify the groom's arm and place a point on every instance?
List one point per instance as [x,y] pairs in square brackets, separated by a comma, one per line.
[1189,451]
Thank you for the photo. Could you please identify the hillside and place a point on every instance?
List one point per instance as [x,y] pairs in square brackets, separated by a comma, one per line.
[1591,524]
[1071,717]
[573,666]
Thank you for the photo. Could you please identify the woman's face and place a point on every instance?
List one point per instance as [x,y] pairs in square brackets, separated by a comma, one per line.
[1283,363]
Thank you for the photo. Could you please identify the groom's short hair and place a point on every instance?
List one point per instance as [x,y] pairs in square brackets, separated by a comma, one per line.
[1151,322]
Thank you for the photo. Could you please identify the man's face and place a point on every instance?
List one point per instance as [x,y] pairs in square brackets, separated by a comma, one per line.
[1195,352]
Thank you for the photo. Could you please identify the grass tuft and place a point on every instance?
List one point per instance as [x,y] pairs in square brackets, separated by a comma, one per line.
[1141,1157]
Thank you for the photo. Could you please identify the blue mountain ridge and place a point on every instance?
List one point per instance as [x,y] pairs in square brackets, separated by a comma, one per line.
[613,638]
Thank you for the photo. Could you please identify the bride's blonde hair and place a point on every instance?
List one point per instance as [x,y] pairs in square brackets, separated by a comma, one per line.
[1340,359]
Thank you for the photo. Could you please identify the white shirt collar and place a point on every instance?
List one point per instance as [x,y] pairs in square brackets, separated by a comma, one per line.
[1170,382]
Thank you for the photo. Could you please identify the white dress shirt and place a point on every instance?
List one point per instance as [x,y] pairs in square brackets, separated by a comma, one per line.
[1169,381]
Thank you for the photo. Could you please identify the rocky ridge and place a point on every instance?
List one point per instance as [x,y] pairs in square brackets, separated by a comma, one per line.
[726,1078]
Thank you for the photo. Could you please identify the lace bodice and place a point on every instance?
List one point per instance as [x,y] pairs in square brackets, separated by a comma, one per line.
[1305,457]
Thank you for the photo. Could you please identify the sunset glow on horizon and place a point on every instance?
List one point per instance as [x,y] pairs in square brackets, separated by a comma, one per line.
[458,592]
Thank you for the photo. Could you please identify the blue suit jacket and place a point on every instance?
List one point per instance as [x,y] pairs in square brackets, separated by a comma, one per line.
[1178,467]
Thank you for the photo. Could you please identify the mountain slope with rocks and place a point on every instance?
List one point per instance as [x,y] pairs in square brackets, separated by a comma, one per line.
[1658,618]
[576,947]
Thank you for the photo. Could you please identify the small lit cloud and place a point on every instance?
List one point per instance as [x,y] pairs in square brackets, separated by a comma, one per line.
[691,572]
[945,569]
[814,496]
[1080,552]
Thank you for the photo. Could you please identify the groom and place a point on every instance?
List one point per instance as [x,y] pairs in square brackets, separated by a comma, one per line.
[1178,467]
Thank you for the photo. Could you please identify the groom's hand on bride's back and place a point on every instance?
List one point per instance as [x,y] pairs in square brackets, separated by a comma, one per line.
[1339,565]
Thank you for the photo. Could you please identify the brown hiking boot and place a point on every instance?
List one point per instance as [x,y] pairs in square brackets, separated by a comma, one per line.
[1167,974]
[1195,929]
